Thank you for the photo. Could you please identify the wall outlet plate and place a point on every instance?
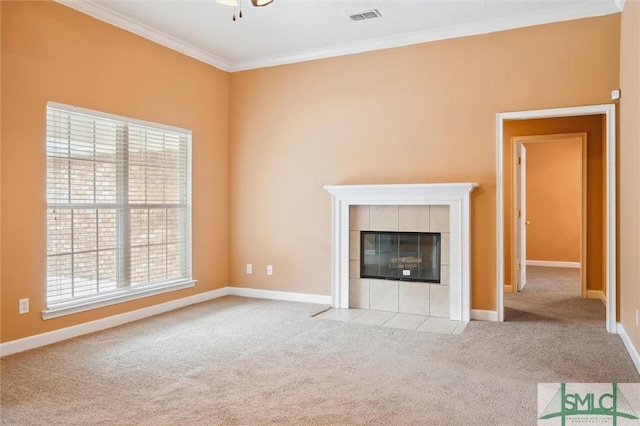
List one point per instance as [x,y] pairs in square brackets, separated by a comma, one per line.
[269,270]
[23,306]
[249,268]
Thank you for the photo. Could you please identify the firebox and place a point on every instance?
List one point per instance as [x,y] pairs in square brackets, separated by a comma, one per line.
[401,256]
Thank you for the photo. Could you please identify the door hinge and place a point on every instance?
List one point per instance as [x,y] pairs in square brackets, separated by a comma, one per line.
[519,160]
[519,266]
[519,213]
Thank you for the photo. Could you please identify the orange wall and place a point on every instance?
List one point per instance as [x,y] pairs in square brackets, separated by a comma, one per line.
[422,113]
[267,140]
[53,53]
[629,213]
[554,188]
[594,126]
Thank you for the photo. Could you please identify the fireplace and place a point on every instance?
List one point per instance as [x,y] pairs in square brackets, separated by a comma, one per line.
[400,256]
[453,195]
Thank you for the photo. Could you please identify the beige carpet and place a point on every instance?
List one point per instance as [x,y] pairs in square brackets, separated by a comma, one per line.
[249,361]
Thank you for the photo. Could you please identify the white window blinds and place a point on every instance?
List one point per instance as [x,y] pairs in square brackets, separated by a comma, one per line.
[118,206]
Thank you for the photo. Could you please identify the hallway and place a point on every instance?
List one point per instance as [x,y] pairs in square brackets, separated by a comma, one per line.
[553,294]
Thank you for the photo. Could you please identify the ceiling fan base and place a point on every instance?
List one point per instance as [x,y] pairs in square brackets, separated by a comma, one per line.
[261,3]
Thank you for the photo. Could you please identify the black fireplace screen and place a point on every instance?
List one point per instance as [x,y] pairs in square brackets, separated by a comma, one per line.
[403,256]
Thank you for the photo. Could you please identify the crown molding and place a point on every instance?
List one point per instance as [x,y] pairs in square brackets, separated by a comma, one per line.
[500,24]
[103,14]
[548,16]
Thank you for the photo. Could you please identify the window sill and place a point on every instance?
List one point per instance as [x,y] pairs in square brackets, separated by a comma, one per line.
[113,299]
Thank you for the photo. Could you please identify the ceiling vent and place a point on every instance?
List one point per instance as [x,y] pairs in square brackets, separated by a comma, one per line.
[369,14]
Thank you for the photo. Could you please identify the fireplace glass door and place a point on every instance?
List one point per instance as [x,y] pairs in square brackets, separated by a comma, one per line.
[409,256]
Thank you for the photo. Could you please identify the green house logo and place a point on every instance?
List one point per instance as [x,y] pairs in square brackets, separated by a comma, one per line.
[589,407]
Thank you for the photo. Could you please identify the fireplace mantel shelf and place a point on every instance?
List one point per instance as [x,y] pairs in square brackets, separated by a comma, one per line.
[388,193]
[455,195]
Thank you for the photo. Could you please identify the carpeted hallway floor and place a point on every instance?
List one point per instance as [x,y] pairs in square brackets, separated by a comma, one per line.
[553,294]
[248,361]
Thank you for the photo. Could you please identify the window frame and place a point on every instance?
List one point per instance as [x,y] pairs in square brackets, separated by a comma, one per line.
[129,292]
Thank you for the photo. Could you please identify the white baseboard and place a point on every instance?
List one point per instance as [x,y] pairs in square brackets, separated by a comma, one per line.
[633,353]
[597,294]
[280,295]
[50,337]
[480,315]
[553,264]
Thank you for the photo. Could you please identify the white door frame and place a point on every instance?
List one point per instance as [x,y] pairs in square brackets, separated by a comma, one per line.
[521,218]
[608,110]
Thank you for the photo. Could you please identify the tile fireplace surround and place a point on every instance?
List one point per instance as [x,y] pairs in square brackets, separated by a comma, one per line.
[407,297]
[454,195]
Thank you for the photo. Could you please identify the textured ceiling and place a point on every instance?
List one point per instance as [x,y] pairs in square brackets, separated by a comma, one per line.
[296,30]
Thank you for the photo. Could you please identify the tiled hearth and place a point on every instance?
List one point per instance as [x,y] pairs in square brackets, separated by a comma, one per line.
[407,297]
[395,320]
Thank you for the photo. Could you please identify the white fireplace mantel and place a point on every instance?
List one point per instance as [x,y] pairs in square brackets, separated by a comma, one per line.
[454,195]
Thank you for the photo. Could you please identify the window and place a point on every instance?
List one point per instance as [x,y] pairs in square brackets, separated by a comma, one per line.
[118,209]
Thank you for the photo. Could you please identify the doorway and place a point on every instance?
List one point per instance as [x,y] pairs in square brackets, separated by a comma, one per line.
[609,198]
[556,200]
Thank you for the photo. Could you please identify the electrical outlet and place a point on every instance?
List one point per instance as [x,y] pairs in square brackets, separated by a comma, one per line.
[249,268]
[23,306]
[269,270]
